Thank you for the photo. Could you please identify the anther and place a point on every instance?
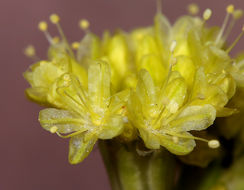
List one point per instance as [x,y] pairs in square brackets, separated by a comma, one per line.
[42,26]
[84,24]
[213,144]
[193,9]
[30,51]
[54,18]
[237,14]
[54,129]
[230,9]
[75,45]
[207,14]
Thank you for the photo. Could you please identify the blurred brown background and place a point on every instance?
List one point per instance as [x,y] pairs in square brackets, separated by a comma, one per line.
[31,158]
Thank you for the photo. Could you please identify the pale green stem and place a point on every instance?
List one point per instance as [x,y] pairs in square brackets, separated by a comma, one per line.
[128,170]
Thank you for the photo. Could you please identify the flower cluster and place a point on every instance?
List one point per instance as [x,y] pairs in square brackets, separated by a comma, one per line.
[154,84]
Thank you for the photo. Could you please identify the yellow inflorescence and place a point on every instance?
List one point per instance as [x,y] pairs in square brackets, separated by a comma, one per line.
[42,26]
[155,84]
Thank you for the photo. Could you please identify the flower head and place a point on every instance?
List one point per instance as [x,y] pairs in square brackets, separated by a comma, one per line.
[155,84]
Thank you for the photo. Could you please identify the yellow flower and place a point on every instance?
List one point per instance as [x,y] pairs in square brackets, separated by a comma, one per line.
[43,74]
[162,116]
[87,114]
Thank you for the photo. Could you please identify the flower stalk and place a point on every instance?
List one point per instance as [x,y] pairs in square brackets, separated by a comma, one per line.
[129,170]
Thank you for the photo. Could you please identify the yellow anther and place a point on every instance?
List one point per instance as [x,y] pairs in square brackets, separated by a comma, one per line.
[237,14]
[207,14]
[193,9]
[42,26]
[75,45]
[30,51]
[53,129]
[54,18]
[56,39]
[84,24]
[213,144]
[230,9]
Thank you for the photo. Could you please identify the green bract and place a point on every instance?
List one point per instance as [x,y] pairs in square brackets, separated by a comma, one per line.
[155,84]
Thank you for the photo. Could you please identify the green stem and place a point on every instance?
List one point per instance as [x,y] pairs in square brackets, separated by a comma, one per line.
[128,170]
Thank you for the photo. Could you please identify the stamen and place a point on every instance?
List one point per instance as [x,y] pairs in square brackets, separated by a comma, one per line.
[211,143]
[230,9]
[236,41]
[54,129]
[43,27]
[75,45]
[84,24]
[237,14]
[54,18]
[193,9]
[207,14]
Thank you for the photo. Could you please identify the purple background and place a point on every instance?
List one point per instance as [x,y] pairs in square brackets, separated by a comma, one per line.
[31,158]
